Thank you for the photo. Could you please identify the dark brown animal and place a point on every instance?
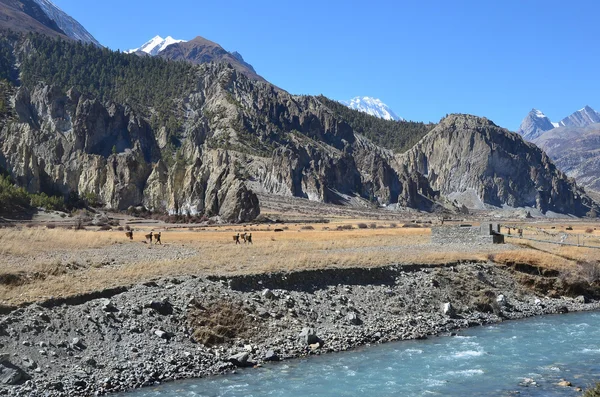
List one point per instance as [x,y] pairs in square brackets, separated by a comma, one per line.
[129,234]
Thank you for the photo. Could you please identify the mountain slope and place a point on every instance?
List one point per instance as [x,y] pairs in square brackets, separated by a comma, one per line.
[66,23]
[373,106]
[576,151]
[534,125]
[472,160]
[201,50]
[201,139]
[581,118]
[27,16]
[155,45]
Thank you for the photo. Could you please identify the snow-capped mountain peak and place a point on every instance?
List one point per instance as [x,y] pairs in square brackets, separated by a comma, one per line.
[156,45]
[373,106]
[535,124]
[581,118]
[66,23]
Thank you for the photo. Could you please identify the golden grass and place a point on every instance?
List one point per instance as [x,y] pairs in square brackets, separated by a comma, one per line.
[27,241]
[293,249]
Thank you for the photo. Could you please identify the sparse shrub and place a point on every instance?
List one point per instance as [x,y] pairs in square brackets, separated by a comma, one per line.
[590,270]
[411,225]
[120,228]
[393,225]
[589,230]
[593,391]
[30,225]
[219,322]
[344,227]
[362,226]
[51,226]
[63,215]
[105,227]
[307,227]
[373,226]
[127,227]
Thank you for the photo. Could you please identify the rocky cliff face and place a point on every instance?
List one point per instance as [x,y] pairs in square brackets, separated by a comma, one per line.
[471,159]
[234,135]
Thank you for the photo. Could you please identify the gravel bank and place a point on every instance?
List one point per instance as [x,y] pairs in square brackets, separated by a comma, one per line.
[142,335]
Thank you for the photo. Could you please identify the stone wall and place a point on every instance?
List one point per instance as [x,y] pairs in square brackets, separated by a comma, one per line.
[466,234]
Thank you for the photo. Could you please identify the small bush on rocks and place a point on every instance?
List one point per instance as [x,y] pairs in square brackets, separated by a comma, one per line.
[593,391]
[308,227]
[219,322]
[362,226]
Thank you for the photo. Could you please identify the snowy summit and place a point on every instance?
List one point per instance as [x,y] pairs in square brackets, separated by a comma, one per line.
[372,106]
[156,45]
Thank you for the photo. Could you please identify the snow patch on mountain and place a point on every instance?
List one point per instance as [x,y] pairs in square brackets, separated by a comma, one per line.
[373,106]
[66,23]
[156,45]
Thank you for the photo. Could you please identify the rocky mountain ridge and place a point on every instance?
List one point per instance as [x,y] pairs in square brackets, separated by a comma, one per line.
[41,16]
[576,151]
[572,143]
[236,135]
[66,23]
[535,124]
[475,162]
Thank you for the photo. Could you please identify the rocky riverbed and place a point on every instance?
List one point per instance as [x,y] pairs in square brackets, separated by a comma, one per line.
[168,329]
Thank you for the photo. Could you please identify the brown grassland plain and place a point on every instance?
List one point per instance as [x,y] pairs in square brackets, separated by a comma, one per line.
[39,263]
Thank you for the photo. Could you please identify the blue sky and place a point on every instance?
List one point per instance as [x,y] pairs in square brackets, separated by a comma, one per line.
[493,58]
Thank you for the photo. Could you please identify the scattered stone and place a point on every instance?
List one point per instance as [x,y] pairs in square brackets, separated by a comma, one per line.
[268,294]
[448,310]
[581,299]
[501,300]
[78,344]
[109,307]
[353,319]
[308,336]
[163,334]
[162,307]
[240,359]
[271,356]
[10,374]
[564,383]
[90,361]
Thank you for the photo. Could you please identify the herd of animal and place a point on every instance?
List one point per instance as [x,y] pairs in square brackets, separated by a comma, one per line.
[237,238]
[247,237]
[149,237]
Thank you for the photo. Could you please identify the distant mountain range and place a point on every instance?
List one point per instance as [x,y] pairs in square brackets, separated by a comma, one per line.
[42,16]
[373,106]
[573,143]
[197,51]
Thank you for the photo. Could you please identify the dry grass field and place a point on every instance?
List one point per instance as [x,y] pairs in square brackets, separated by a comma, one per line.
[39,263]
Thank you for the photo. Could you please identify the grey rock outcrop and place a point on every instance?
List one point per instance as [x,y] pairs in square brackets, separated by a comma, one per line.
[473,160]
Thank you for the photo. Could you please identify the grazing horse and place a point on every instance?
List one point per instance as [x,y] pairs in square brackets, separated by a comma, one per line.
[157,238]
[129,234]
[149,237]
[236,238]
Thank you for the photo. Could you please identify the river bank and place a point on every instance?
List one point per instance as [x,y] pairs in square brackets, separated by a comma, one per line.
[178,328]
